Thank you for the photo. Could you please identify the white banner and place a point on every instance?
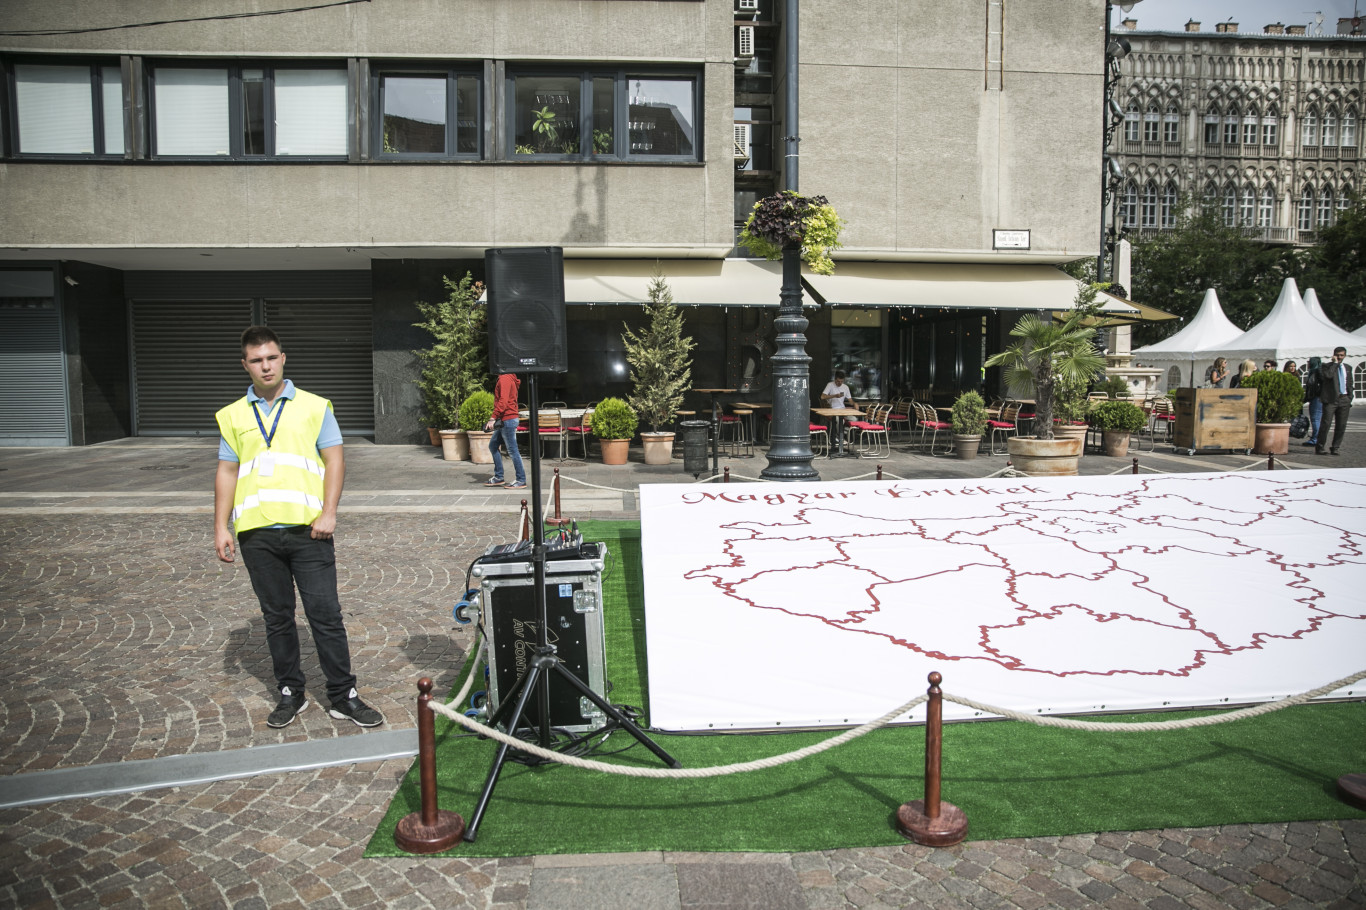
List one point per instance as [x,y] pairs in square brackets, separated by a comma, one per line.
[811,604]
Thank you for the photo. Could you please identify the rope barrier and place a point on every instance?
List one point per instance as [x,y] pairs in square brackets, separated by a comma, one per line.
[1153,726]
[714,771]
[848,735]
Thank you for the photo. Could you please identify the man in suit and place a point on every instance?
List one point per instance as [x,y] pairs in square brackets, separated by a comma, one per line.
[1336,395]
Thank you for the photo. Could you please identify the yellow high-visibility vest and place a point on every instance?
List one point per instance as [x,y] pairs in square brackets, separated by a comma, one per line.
[292,492]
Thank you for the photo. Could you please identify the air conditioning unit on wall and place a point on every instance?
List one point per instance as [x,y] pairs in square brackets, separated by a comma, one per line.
[742,141]
[744,45]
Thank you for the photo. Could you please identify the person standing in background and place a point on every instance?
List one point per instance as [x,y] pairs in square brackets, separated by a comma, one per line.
[1245,369]
[1217,373]
[1313,385]
[503,423]
[1336,395]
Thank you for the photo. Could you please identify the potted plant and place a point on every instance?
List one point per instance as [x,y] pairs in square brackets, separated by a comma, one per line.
[1115,387]
[1116,420]
[453,366]
[969,419]
[1069,408]
[1280,396]
[1046,352]
[661,370]
[791,218]
[475,412]
[614,423]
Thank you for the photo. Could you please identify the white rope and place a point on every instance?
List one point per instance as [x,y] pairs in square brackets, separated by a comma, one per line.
[1153,726]
[714,771]
[598,486]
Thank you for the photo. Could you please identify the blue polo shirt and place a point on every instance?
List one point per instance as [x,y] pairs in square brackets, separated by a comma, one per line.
[328,435]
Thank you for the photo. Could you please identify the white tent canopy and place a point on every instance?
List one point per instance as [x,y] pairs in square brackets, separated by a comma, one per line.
[1311,303]
[1289,332]
[1194,347]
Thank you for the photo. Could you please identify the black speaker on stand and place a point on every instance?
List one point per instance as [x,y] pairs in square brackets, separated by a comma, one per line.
[527,335]
[526,310]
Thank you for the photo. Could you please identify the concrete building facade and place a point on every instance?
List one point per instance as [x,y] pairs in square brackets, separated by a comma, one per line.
[170,174]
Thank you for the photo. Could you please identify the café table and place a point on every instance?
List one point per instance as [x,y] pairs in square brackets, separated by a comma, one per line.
[837,415]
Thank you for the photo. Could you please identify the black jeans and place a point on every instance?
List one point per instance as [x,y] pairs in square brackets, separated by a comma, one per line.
[277,559]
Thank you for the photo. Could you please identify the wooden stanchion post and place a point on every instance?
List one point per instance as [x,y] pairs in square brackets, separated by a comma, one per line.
[558,519]
[1135,465]
[879,472]
[431,830]
[726,476]
[524,523]
[1271,462]
[930,821]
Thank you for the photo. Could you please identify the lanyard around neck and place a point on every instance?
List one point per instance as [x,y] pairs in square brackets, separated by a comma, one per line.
[278,411]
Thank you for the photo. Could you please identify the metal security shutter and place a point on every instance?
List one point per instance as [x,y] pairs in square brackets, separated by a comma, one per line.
[187,363]
[33,408]
[328,352]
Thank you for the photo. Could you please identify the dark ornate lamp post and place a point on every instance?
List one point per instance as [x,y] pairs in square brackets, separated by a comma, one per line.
[793,228]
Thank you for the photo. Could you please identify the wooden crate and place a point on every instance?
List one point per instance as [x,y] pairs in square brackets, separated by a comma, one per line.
[1215,419]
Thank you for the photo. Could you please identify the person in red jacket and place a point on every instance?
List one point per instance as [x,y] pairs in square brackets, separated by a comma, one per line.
[504,427]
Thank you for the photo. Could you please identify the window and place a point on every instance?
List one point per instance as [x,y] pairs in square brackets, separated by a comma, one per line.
[1211,128]
[1266,207]
[1150,205]
[1247,205]
[249,111]
[1128,213]
[1231,128]
[1305,219]
[1151,121]
[1171,125]
[431,114]
[1169,206]
[1330,129]
[68,109]
[1249,129]
[1131,122]
[1325,207]
[1349,129]
[1230,205]
[1270,131]
[651,116]
[1309,129]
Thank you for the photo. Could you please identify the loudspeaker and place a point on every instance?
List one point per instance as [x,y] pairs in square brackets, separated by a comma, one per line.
[526,310]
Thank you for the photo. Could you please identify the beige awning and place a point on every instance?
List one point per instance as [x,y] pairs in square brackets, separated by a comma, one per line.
[952,286]
[693,282]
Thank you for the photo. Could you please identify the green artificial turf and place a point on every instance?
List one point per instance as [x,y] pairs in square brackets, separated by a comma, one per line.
[1011,779]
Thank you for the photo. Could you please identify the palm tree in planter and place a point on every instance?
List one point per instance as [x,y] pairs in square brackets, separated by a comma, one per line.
[1046,352]
[452,368]
[661,369]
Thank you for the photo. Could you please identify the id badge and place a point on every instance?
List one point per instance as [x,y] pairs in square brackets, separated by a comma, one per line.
[265,465]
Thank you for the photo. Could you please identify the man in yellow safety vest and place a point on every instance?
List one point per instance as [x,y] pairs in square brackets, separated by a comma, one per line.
[280,473]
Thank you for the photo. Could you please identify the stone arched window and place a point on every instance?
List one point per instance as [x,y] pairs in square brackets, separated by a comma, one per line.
[1149,213]
[1250,124]
[1231,120]
[1152,123]
[1325,216]
[1131,119]
[1211,125]
[1171,124]
[1266,207]
[1169,198]
[1230,205]
[1128,210]
[1329,136]
[1270,130]
[1247,205]
[1309,129]
[1349,128]
[1304,218]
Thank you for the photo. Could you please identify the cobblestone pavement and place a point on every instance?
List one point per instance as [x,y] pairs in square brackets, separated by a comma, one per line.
[122,638]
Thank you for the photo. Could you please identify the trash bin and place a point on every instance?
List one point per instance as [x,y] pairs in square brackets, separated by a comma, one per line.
[694,446]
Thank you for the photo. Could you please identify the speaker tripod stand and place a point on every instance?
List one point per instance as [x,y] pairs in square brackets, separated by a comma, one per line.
[535,681]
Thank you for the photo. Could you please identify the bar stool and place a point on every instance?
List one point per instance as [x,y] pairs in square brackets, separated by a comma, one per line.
[735,432]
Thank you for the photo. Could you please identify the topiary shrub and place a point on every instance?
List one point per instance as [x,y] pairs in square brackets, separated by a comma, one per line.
[1115,387]
[613,419]
[969,415]
[476,410]
[1280,396]
[1117,416]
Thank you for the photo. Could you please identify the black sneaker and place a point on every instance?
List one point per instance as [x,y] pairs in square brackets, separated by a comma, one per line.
[291,706]
[358,712]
